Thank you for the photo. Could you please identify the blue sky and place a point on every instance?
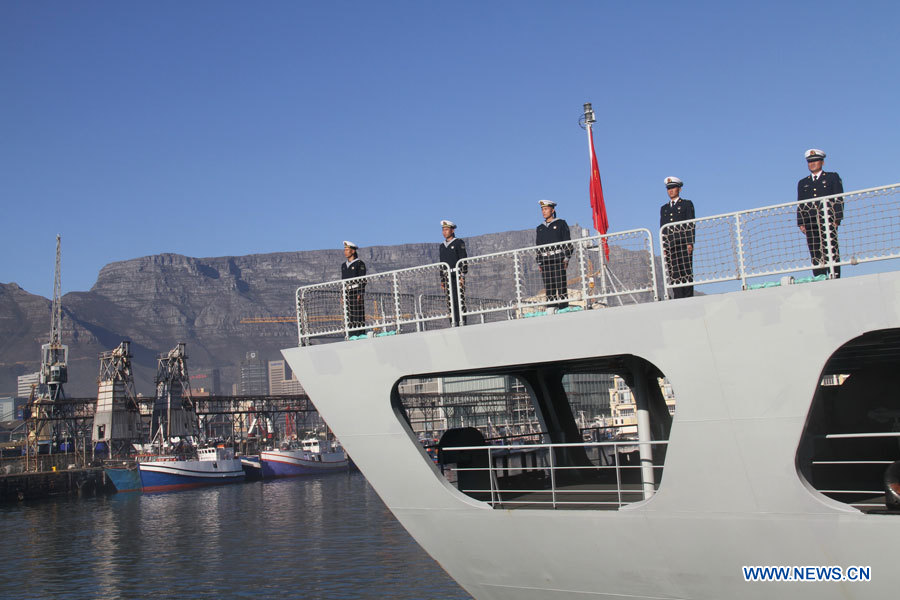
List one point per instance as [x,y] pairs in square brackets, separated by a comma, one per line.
[227,128]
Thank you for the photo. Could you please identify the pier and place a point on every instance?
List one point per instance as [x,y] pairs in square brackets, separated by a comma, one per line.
[90,481]
[77,471]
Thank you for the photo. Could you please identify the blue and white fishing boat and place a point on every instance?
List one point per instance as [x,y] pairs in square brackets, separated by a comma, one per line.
[309,457]
[211,466]
[175,461]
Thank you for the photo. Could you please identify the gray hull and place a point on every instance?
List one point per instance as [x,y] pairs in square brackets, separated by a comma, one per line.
[745,366]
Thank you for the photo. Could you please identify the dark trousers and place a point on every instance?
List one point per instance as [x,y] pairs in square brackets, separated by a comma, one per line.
[553,272]
[453,298]
[356,309]
[817,244]
[680,267]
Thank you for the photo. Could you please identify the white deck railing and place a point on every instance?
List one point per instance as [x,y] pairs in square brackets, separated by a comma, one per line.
[553,493]
[737,246]
[876,497]
[501,286]
[767,241]
[518,279]
[391,303]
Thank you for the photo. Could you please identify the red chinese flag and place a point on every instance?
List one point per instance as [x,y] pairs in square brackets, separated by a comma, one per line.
[598,206]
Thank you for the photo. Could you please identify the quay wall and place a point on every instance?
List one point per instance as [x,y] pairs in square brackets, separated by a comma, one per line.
[42,462]
[17,487]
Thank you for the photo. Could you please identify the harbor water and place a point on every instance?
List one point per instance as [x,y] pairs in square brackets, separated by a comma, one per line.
[310,537]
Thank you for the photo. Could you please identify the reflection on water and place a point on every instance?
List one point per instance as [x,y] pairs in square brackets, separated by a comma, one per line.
[324,537]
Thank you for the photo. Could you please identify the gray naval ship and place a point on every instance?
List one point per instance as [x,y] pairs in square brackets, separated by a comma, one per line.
[775,474]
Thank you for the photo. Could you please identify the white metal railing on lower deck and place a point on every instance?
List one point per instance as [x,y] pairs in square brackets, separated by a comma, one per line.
[553,494]
[874,494]
[767,241]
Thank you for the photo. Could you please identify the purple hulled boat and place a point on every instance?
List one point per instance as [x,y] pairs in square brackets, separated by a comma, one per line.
[307,457]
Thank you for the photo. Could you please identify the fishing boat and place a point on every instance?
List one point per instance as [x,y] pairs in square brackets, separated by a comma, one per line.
[252,467]
[307,457]
[178,471]
[175,461]
[779,466]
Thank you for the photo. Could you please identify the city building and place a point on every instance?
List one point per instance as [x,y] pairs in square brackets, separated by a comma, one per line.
[425,385]
[254,378]
[282,381]
[427,419]
[623,411]
[25,382]
[7,408]
[497,405]
[209,381]
[481,383]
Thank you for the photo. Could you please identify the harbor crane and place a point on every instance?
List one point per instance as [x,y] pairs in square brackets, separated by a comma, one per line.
[173,412]
[118,424]
[53,422]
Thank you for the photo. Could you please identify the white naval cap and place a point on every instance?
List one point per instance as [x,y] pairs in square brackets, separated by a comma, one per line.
[544,203]
[673,182]
[446,223]
[350,245]
[814,154]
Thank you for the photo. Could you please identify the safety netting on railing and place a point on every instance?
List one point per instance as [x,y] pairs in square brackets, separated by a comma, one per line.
[820,234]
[375,305]
[619,268]
[560,277]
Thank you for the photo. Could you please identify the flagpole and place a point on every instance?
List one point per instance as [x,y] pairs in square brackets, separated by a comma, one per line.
[589,121]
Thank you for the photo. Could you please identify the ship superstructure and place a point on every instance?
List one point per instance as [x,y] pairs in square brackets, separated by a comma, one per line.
[784,429]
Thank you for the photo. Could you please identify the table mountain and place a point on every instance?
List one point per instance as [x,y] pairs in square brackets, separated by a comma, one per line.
[157,301]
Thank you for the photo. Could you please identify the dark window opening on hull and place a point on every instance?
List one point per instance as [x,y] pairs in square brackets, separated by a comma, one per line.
[850,449]
[587,434]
